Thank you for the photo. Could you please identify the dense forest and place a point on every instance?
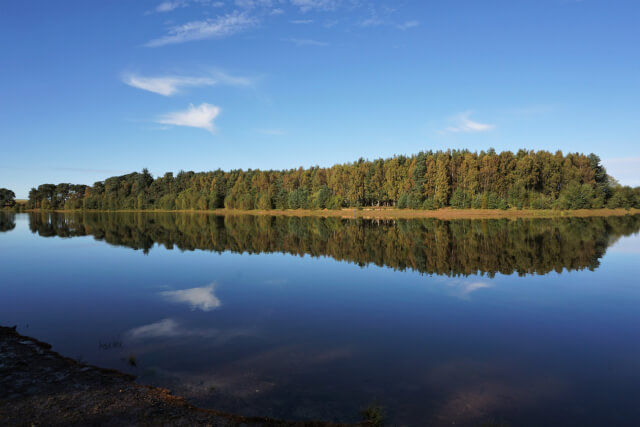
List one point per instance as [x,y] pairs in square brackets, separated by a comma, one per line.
[431,246]
[428,180]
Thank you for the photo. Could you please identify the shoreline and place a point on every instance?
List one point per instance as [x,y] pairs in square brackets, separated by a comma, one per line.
[385,213]
[39,386]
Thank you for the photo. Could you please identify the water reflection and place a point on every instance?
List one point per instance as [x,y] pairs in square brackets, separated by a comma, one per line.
[171,328]
[309,338]
[7,221]
[452,248]
[163,328]
[197,298]
[463,289]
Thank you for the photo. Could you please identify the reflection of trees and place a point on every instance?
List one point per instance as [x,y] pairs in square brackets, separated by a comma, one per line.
[460,247]
[7,221]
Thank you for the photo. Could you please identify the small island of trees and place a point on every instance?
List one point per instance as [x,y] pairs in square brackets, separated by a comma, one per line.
[7,198]
[428,180]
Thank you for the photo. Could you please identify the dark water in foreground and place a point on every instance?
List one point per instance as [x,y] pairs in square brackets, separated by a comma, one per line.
[527,322]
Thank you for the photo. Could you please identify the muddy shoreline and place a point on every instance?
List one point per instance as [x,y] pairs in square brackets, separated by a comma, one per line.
[38,386]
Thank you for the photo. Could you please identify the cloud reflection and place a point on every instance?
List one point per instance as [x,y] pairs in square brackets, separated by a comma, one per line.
[201,298]
[170,328]
[463,289]
[163,328]
[467,288]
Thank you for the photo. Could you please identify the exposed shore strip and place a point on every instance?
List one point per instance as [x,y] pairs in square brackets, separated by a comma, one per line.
[392,213]
[38,386]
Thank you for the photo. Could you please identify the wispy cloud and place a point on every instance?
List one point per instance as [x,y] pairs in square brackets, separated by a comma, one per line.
[307,5]
[201,298]
[301,21]
[201,117]
[461,123]
[331,23]
[276,11]
[168,6]
[166,85]
[408,24]
[220,27]
[372,21]
[230,80]
[307,42]
[272,132]
[250,4]
[379,16]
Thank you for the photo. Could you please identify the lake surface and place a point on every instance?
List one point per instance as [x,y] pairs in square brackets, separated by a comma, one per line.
[520,322]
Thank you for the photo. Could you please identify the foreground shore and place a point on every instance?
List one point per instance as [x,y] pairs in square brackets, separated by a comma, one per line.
[393,213]
[40,387]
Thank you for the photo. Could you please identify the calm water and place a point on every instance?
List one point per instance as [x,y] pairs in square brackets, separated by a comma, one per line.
[528,322]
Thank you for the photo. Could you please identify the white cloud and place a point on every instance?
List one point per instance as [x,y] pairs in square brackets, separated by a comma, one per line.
[302,21]
[198,117]
[220,27]
[306,42]
[408,24]
[198,298]
[166,85]
[277,11]
[462,123]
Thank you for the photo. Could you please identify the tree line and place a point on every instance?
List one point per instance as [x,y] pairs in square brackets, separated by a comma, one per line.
[427,180]
[430,246]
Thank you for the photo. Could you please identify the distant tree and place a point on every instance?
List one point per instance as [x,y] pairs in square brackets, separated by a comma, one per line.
[7,197]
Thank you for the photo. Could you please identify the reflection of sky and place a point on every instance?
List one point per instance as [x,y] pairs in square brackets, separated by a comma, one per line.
[626,245]
[333,332]
[198,298]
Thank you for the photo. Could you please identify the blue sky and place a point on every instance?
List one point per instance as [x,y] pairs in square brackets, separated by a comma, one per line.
[90,89]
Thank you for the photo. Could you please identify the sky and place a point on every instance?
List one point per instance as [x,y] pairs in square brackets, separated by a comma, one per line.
[92,89]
